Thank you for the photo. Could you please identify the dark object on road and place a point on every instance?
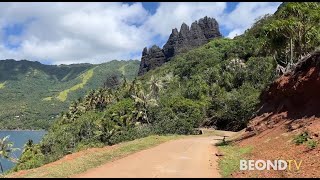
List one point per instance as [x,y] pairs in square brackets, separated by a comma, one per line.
[198,132]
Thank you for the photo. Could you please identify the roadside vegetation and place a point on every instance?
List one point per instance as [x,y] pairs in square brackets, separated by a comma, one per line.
[304,138]
[231,156]
[86,159]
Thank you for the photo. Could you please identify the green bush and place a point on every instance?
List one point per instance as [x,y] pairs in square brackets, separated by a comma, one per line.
[32,157]
[311,144]
[301,138]
[196,88]
[139,131]
[87,144]
[178,115]
[232,110]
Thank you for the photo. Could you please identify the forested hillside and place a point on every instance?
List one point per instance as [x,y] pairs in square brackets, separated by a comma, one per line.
[33,94]
[216,85]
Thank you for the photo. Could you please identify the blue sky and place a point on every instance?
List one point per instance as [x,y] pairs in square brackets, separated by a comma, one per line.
[12,30]
[99,32]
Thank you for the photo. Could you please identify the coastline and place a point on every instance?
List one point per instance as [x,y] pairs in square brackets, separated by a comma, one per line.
[23,130]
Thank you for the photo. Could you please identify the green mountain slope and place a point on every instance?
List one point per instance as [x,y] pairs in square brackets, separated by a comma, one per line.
[33,94]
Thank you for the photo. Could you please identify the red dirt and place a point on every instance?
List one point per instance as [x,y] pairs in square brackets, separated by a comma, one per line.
[290,107]
[189,157]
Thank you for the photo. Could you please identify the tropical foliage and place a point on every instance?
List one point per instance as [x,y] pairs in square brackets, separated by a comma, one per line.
[6,150]
[293,32]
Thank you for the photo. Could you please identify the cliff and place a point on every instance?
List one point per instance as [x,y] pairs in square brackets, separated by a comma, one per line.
[200,32]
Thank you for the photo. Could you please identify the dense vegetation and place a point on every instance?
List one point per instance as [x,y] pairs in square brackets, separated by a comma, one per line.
[32,94]
[216,85]
[293,32]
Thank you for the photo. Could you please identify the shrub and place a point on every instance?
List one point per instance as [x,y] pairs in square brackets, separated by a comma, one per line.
[178,115]
[311,144]
[32,157]
[301,138]
[232,110]
[173,126]
[139,131]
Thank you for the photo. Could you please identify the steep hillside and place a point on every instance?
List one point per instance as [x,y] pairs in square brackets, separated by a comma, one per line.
[288,124]
[33,94]
[14,70]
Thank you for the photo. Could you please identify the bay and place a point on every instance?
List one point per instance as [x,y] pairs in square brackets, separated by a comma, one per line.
[19,138]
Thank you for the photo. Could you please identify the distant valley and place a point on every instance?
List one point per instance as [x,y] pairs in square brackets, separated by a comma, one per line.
[33,94]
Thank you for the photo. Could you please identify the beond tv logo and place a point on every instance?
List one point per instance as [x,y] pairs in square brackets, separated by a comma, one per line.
[278,165]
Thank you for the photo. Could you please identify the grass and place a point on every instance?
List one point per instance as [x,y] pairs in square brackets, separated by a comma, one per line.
[2,85]
[301,138]
[122,69]
[230,162]
[47,99]
[85,78]
[93,159]
[311,144]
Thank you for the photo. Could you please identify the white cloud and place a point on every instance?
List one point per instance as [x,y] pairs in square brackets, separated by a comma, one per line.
[172,15]
[245,14]
[74,32]
[234,33]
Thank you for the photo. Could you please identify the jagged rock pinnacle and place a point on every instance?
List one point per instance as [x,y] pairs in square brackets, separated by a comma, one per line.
[199,33]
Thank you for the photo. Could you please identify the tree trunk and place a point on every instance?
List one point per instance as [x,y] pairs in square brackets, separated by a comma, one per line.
[291,52]
[1,167]
[147,117]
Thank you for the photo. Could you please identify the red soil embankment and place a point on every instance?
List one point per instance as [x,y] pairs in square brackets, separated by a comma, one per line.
[291,105]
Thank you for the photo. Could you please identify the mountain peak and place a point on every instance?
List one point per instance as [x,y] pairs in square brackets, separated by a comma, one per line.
[199,33]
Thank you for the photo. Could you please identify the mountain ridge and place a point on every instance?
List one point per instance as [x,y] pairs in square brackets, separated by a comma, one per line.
[199,33]
[33,93]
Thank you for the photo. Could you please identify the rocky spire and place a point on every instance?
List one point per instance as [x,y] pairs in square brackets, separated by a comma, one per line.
[175,32]
[184,30]
[209,27]
[151,59]
[199,33]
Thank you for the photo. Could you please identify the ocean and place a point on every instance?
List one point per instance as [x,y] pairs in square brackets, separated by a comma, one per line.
[19,138]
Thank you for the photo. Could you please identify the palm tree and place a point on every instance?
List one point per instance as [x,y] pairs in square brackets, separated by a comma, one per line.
[73,113]
[29,143]
[108,97]
[124,83]
[155,86]
[143,102]
[6,149]
[135,87]
[89,100]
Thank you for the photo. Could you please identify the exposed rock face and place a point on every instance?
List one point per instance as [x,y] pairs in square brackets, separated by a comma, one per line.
[151,59]
[198,34]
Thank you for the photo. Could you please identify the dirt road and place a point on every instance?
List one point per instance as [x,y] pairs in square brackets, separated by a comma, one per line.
[190,157]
